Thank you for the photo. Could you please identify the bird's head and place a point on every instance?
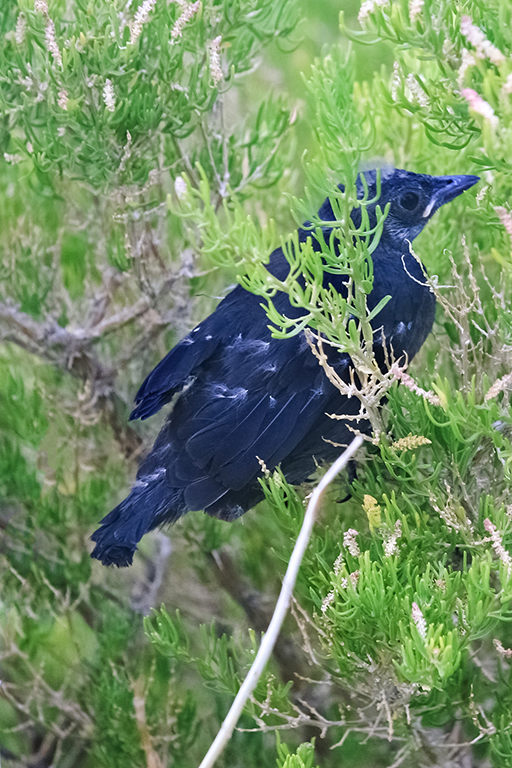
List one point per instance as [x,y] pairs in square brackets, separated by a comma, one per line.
[413,199]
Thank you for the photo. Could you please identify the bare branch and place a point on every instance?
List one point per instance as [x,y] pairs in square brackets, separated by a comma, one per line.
[71,351]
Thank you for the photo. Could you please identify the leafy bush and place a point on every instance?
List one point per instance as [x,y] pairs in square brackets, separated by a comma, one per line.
[143,154]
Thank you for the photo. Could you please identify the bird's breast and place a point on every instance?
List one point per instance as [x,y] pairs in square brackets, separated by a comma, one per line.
[407,319]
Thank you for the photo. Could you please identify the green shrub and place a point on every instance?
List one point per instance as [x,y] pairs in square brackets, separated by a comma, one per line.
[147,165]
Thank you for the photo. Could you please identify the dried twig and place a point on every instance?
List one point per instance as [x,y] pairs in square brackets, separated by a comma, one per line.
[283,602]
[71,351]
[258,610]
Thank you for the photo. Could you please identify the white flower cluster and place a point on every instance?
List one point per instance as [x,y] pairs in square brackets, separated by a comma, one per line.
[391,539]
[140,18]
[506,653]
[349,541]
[468,60]
[409,382]
[327,601]
[419,620]
[501,385]
[109,96]
[215,68]
[354,578]
[62,100]
[480,106]
[415,7]
[368,7]
[484,48]
[189,11]
[21,27]
[497,545]
[416,91]
[41,6]
[180,187]
[12,158]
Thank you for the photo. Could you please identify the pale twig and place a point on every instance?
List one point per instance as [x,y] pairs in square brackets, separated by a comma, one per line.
[283,602]
[369,389]
[139,705]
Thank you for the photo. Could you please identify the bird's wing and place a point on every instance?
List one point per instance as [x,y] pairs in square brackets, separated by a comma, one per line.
[186,358]
[254,402]
[240,313]
[171,374]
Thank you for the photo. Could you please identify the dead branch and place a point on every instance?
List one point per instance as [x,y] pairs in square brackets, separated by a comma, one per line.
[71,351]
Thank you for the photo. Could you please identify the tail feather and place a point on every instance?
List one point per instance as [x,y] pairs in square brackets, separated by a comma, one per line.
[149,505]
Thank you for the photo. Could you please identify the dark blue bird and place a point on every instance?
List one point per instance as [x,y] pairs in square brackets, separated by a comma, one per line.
[246,396]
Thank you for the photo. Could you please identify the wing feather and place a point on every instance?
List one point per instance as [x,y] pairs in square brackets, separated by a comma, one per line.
[250,396]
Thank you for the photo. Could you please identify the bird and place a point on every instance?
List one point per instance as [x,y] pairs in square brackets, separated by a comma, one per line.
[241,397]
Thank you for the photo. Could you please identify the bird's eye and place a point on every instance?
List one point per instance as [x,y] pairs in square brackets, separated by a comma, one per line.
[409,201]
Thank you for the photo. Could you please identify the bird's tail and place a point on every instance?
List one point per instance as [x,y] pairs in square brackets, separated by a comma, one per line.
[149,505]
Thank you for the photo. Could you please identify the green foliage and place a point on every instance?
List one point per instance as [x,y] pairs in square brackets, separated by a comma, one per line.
[160,76]
[304,758]
[147,164]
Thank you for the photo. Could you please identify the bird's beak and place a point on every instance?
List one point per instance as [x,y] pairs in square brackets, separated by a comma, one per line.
[446,189]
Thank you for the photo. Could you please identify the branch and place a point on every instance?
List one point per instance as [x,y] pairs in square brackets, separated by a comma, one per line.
[48,340]
[71,351]
[257,609]
[269,639]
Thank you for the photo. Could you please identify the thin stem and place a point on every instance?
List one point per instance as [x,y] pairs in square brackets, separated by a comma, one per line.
[282,605]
